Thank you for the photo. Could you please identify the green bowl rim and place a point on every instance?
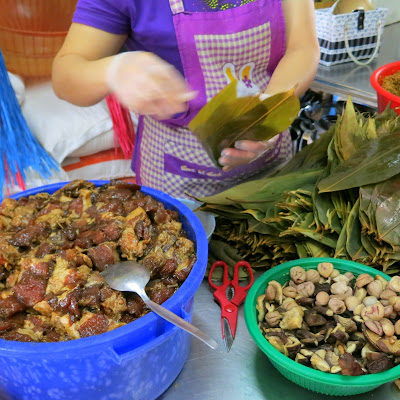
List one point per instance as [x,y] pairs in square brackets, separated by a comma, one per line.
[309,373]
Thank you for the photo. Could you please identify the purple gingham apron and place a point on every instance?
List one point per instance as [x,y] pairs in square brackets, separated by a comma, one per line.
[243,43]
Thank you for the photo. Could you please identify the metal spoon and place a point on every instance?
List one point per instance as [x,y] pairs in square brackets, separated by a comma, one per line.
[130,276]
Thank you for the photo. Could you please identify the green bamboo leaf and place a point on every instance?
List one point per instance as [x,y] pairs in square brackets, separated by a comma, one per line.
[366,214]
[368,246]
[226,119]
[393,270]
[324,209]
[233,195]
[265,120]
[305,228]
[354,246]
[227,215]
[232,210]
[334,223]
[387,122]
[316,249]
[371,211]
[370,128]
[312,156]
[337,146]
[364,220]
[333,159]
[387,264]
[340,250]
[301,250]
[219,110]
[257,215]
[374,162]
[365,197]
[392,256]
[387,214]
[347,137]
[260,227]
[341,205]
[263,193]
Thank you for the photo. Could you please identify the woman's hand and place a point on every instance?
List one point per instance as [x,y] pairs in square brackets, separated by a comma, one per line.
[86,70]
[245,152]
[148,85]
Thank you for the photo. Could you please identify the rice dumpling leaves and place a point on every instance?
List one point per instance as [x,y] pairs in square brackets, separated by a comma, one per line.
[393,270]
[348,138]
[341,206]
[362,214]
[324,210]
[305,228]
[301,250]
[354,246]
[226,118]
[387,122]
[312,156]
[291,214]
[388,211]
[260,227]
[316,249]
[219,110]
[370,128]
[257,215]
[340,250]
[368,245]
[258,193]
[230,196]
[333,159]
[375,161]
[268,118]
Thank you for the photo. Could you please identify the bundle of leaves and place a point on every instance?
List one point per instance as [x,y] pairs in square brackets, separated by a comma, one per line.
[338,197]
[226,118]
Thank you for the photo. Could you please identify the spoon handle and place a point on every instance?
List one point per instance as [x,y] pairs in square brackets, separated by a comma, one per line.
[174,319]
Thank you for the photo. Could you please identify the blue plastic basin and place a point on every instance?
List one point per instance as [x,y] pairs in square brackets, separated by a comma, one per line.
[138,361]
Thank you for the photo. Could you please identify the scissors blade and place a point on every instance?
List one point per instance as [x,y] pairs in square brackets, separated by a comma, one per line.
[228,338]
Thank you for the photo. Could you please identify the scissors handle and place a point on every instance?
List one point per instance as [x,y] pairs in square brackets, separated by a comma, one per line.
[229,311]
[241,291]
[225,276]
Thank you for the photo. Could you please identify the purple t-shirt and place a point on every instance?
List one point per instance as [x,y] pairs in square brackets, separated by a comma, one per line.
[148,23]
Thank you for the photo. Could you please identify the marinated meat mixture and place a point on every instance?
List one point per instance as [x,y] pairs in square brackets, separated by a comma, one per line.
[53,248]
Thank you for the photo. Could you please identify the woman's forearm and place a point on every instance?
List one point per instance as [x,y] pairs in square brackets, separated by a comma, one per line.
[79,81]
[296,68]
[80,67]
[299,64]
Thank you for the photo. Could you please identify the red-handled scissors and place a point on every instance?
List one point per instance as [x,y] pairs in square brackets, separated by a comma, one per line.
[230,295]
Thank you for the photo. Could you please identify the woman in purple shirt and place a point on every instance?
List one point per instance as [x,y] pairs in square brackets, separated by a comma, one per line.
[181,53]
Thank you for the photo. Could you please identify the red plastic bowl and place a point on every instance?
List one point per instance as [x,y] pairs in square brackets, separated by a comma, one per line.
[383,96]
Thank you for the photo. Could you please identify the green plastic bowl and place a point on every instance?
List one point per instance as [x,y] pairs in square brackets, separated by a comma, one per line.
[307,377]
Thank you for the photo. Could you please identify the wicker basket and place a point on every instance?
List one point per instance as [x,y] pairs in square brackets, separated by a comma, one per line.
[32,32]
[349,37]
[37,15]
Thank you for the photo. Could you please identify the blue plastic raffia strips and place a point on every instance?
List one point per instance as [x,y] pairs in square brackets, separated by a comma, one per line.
[20,151]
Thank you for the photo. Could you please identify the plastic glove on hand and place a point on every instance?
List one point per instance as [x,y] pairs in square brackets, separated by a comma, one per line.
[245,152]
[148,85]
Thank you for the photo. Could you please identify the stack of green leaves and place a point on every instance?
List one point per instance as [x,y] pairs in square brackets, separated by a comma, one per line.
[226,118]
[338,197]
